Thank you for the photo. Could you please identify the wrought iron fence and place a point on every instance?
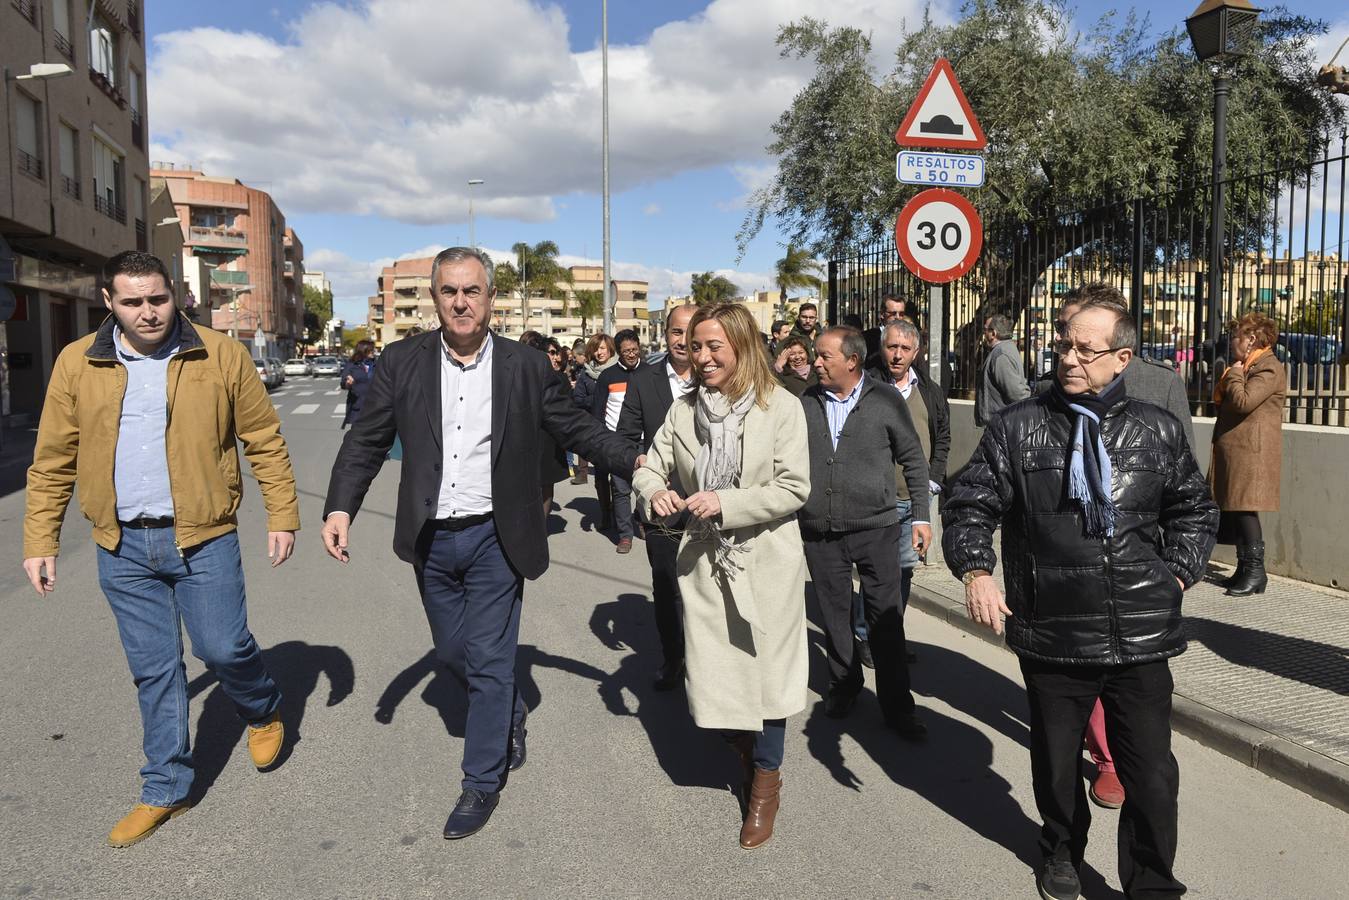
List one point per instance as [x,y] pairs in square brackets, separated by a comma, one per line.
[1283,255]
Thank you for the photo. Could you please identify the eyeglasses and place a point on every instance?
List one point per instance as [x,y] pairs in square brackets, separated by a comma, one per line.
[1086,357]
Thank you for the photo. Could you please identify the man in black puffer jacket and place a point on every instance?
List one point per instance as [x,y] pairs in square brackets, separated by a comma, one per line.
[1105,521]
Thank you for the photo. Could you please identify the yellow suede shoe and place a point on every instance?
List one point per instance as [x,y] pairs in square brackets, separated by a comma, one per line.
[141,822]
[265,740]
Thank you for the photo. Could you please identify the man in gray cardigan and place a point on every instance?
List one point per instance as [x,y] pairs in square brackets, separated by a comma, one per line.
[1002,380]
[859,431]
[1144,379]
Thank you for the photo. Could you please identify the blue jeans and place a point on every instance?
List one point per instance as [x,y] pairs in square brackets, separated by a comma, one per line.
[472,599]
[151,590]
[908,559]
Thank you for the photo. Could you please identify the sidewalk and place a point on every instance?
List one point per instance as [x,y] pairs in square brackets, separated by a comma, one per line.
[1265,679]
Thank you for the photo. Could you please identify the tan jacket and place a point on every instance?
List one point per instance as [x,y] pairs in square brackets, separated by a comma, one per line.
[214,397]
[738,675]
[1247,457]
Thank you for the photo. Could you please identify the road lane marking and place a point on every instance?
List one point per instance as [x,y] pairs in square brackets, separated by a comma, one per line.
[305,409]
[306,393]
[331,393]
[340,409]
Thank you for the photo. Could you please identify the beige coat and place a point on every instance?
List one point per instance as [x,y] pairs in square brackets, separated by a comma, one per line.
[739,676]
[1248,439]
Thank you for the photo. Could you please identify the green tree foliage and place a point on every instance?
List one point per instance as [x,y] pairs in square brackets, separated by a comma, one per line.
[506,279]
[796,271]
[589,305]
[318,309]
[708,288]
[1070,118]
[352,336]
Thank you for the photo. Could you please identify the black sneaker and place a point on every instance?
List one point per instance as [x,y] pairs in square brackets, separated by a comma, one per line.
[1058,881]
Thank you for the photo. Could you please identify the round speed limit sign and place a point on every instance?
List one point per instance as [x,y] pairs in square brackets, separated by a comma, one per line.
[939,235]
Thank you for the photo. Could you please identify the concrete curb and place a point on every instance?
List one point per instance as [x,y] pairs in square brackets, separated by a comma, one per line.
[1310,772]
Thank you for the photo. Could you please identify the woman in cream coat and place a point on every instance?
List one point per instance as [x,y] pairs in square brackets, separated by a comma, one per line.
[732,456]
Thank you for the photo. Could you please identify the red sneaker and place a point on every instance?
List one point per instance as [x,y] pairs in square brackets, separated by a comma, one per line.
[1107,791]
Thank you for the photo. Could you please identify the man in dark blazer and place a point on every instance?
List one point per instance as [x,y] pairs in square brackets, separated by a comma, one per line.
[469,409]
[651,390]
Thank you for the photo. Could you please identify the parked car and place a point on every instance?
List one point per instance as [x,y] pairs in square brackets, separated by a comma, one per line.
[298,366]
[278,368]
[327,365]
[269,376]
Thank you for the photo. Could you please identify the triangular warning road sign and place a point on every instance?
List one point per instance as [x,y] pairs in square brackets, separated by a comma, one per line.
[941,116]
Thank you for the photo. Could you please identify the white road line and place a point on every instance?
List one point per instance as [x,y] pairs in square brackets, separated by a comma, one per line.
[306,393]
[331,393]
[305,409]
[340,409]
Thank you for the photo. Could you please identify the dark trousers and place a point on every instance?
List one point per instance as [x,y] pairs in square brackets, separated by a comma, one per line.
[1137,703]
[875,553]
[472,600]
[622,499]
[662,550]
[770,745]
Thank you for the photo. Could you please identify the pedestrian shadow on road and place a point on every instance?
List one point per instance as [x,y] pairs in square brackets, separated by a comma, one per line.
[295,667]
[1313,663]
[589,508]
[690,756]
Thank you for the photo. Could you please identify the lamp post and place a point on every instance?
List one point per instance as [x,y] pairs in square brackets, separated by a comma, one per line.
[472,233]
[604,79]
[1220,31]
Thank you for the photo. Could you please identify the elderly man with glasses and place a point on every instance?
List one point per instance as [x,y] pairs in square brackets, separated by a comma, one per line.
[1107,521]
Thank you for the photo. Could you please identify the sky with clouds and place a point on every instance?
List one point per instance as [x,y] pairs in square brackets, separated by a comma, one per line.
[366,119]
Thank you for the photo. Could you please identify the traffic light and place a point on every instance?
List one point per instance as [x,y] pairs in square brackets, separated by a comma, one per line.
[1333,79]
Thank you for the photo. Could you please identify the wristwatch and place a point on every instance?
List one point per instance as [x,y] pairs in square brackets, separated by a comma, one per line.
[972,574]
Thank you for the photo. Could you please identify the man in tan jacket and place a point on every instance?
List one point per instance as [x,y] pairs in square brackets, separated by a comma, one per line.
[145,414]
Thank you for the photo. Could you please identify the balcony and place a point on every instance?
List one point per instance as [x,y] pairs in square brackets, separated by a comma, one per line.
[27,9]
[290,269]
[70,186]
[137,128]
[216,236]
[141,243]
[110,209]
[30,164]
[133,18]
[104,84]
[63,46]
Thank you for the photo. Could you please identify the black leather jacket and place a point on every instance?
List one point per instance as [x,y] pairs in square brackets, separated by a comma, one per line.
[1078,599]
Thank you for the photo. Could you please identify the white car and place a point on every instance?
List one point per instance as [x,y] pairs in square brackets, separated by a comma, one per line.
[266,373]
[298,366]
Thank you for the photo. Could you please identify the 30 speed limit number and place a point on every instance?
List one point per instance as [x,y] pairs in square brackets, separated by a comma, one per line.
[939,235]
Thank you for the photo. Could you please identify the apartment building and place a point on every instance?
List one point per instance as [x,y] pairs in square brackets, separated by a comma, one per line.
[403,300]
[256,263]
[764,306]
[74,187]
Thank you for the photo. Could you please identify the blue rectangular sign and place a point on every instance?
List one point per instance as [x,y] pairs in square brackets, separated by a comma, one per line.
[951,170]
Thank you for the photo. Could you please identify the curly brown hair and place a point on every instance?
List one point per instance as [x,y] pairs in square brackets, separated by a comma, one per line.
[1261,327]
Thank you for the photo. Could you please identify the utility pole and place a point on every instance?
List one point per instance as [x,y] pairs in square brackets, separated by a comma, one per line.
[604,69]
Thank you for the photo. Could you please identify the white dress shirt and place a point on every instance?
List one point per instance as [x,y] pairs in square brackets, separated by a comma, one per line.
[466,434]
[678,386]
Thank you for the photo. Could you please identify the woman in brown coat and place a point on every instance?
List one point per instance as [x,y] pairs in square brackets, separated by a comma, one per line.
[1248,445]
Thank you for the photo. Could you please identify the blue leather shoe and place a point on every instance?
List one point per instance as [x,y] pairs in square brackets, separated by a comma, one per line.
[470,813]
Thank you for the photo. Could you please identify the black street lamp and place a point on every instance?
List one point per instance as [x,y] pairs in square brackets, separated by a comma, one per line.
[1220,31]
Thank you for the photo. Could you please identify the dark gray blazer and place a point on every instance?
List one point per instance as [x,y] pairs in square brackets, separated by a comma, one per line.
[527,399]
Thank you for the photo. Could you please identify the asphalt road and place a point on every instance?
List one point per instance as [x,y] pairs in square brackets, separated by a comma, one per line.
[622,796]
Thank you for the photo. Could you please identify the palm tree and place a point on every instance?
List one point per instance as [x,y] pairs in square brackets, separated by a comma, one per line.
[709,288]
[589,305]
[795,271]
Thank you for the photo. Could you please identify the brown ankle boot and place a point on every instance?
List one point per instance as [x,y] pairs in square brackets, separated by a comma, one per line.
[763,808]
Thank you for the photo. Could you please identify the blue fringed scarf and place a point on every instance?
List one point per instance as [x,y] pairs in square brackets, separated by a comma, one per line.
[1089,470]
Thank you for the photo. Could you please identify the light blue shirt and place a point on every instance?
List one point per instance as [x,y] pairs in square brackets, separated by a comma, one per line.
[141,473]
[837,410]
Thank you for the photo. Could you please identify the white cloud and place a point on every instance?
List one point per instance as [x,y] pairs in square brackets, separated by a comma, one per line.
[367,109]
[651,209]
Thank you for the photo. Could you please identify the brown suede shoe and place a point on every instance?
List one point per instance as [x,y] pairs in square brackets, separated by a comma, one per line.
[141,822]
[265,740]
[763,809]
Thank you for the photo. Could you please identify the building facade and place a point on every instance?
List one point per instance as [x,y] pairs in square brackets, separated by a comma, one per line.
[256,263]
[403,301]
[74,185]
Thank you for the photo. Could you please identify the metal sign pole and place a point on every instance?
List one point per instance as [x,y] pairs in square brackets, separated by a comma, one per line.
[936,340]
